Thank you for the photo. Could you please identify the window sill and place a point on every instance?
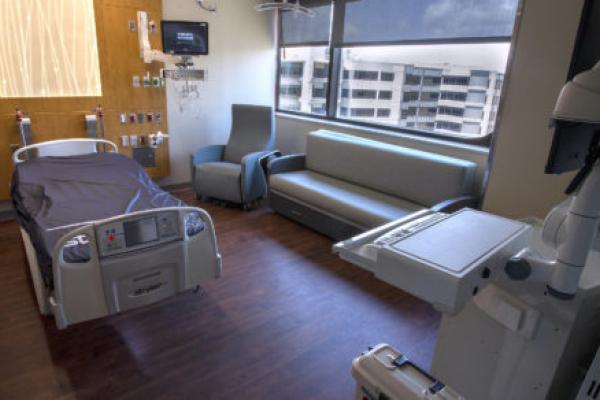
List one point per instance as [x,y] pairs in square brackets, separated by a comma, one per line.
[326,123]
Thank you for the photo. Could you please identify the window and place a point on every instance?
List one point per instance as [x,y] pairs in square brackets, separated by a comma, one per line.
[319,92]
[476,96]
[410,96]
[48,52]
[456,112]
[384,112]
[431,61]
[290,90]
[474,112]
[364,94]
[448,126]
[454,96]
[321,70]
[385,95]
[365,75]
[293,81]
[456,80]
[387,76]
[362,112]
[292,69]
[429,96]
[318,109]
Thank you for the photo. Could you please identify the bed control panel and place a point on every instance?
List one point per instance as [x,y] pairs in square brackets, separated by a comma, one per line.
[127,235]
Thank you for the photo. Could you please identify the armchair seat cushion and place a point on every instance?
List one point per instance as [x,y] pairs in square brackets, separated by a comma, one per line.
[220,180]
[362,207]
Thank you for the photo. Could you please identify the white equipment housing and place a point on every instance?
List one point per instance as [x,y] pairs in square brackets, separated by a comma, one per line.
[448,260]
[384,373]
[135,259]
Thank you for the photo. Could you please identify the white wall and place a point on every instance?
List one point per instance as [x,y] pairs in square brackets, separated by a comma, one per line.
[241,69]
[518,186]
[292,131]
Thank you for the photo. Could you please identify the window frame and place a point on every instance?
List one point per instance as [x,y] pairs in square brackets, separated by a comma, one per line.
[336,70]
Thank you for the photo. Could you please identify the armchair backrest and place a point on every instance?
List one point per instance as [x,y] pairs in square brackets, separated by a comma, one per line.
[252,129]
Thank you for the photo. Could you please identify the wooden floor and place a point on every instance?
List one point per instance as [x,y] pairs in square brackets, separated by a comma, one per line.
[284,322]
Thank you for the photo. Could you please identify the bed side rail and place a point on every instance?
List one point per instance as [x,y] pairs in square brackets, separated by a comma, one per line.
[64,147]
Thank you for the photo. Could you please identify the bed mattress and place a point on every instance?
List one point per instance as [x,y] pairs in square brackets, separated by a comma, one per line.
[53,195]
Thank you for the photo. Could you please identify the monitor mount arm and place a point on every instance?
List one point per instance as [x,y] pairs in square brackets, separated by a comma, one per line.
[570,228]
[146,52]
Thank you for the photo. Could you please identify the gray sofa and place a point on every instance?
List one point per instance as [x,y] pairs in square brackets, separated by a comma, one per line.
[345,184]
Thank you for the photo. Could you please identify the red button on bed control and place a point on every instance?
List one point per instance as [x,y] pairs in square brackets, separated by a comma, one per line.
[111,237]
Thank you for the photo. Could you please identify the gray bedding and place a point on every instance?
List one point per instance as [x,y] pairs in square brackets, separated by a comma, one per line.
[50,193]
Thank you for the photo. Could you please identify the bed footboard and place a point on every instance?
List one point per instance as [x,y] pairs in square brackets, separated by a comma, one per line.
[132,260]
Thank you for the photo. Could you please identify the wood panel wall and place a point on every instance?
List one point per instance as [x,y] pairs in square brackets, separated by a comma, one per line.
[57,118]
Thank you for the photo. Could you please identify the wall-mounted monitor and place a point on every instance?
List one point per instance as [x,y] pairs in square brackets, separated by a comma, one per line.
[185,38]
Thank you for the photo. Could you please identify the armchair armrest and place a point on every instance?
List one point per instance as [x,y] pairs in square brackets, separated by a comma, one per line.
[206,154]
[455,204]
[293,162]
[254,182]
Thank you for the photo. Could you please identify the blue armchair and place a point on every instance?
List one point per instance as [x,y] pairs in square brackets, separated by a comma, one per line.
[233,172]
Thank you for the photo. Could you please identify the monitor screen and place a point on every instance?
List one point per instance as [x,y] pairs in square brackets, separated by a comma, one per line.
[140,231]
[571,141]
[185,38]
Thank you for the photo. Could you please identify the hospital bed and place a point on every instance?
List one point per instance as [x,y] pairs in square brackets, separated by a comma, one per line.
[100,236]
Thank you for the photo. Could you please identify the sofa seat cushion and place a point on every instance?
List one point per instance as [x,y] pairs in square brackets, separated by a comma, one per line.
[220,180]
[360,206]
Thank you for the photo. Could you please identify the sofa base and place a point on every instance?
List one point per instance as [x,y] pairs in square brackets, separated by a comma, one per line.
[316,220]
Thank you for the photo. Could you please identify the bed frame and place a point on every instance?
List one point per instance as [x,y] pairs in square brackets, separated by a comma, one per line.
[111,281]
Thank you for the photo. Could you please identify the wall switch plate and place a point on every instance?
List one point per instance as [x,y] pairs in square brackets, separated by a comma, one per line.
[125,141]
[132,118]
[140,118]
[131,25]
[136,81]
[158,117]
[133,139]
[123,118]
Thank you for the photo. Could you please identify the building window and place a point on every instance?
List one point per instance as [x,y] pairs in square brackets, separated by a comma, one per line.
[292,69]
[387,76]
[474,112]
[456,80]
[432,80]
[362,112]
[364,94]
[384,112]
[454,96]
[410,96]
[456,112]
[444,75]
[290,90]
[321,70]
[448,126]
[319,109]
[430,96]
[411,79]
[319,92]
[385,95]
[476,96]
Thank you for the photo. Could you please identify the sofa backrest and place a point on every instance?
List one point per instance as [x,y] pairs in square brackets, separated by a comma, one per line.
[421,177]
